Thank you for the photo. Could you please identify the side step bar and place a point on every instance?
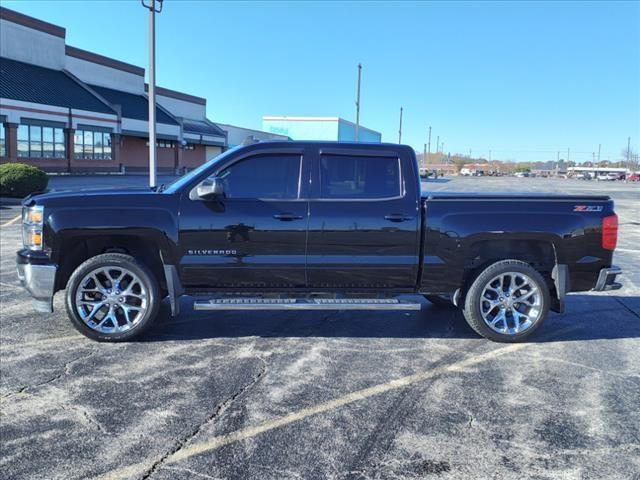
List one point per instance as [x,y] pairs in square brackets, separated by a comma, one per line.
[304,304]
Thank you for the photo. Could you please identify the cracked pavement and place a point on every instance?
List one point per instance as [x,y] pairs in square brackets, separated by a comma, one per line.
[311,395]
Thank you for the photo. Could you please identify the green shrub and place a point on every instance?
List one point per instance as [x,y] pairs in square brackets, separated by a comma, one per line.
[19,180]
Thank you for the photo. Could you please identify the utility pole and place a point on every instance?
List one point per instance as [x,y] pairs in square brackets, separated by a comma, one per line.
[424,156]
[358,104]
[628,152]
[154,6]
[400,130]
[599,146]
[568,152]
[429,142]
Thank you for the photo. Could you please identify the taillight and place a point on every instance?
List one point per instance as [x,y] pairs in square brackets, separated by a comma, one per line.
[610,232]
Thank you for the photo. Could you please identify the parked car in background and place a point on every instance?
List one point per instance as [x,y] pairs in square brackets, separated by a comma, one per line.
[607,177]
[634,177]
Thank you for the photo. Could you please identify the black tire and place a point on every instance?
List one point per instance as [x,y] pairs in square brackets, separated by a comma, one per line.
[115,260]
[472,303]
[440,301]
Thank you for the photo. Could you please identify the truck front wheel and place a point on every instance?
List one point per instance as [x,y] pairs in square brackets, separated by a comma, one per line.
[112,297]
[507,301]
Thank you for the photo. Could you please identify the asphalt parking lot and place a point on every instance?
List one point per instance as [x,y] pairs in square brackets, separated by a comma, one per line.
[342,395]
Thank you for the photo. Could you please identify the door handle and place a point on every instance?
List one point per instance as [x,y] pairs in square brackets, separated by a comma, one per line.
[397,217]
[287,217]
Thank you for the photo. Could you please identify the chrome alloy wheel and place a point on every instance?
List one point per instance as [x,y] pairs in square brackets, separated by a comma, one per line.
[111,299]
[511,303]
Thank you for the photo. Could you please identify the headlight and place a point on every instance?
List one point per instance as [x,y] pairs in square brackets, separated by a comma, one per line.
[32,222]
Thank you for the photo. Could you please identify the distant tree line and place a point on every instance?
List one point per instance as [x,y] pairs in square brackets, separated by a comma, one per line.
[629,159]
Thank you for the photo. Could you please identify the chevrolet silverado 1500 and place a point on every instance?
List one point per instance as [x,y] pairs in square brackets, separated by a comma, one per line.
[313,226]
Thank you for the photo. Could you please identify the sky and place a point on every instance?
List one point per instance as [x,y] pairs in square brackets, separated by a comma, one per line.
[522,80]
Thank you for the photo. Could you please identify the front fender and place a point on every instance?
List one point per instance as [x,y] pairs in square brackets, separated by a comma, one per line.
[157,225]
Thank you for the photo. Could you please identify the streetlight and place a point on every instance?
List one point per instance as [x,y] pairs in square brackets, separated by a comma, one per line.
[154,6]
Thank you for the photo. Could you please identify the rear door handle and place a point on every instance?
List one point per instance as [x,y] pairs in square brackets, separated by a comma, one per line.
[397,217]
[287,217]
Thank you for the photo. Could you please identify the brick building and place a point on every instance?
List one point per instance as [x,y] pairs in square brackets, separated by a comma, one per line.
[65,109]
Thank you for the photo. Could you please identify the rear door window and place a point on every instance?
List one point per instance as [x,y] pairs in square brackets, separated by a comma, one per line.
[359,177]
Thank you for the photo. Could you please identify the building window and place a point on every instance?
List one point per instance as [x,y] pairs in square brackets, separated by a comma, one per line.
[39,141]
[163,143]
[189,146]
[92,145]
[3,142]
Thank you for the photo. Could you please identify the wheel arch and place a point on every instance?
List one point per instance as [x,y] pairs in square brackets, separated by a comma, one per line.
[147,246]
[540,253]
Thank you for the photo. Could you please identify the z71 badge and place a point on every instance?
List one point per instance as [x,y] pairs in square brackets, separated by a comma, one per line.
[587,208]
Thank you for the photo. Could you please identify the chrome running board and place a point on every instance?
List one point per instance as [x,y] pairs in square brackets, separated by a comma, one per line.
[241,303]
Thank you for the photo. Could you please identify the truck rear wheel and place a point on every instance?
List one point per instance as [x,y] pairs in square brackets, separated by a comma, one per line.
[507,301]
[112,297]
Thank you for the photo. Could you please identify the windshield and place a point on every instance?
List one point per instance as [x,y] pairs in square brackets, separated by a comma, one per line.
[180,182]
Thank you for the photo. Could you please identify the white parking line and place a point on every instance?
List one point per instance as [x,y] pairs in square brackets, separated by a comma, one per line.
[250,432]
[12,221]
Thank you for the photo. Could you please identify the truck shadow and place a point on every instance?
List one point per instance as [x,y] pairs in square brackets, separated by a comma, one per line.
[588,317]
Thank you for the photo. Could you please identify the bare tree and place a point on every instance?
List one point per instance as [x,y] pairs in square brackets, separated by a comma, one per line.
[630,158]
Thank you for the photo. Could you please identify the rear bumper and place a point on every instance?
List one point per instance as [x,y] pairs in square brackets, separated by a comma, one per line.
[39,280]
[607,279]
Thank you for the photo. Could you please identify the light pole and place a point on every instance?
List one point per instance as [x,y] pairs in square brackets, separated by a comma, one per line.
[424,156]
[429,141]
[358,104]
[154,6]
[400,130]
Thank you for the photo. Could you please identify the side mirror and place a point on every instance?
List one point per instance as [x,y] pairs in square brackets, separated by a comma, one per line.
[210,189]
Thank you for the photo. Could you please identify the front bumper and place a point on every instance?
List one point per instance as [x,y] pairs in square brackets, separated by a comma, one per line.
[607,279]
[39,280]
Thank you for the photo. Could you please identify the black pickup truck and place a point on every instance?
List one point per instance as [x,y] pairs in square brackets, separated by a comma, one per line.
[313,226]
